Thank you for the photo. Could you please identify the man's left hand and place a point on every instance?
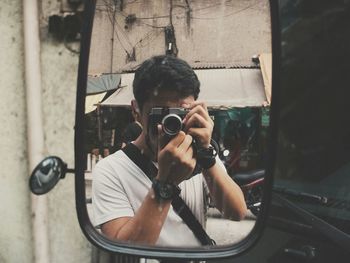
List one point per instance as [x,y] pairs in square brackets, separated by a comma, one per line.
[198,123]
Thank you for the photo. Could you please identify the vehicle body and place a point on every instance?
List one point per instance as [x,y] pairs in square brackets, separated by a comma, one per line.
[311,168]
[310,57]
[305,215]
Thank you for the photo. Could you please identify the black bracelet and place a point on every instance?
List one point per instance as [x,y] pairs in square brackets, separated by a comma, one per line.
[206,157]
[206,163]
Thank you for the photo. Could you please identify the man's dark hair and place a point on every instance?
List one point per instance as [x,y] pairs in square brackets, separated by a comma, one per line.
[164,73]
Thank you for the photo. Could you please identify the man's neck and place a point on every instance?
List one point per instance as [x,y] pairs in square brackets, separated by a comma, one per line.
[141,143]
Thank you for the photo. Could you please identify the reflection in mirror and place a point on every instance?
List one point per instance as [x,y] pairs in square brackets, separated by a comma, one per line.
[226,44]
[312,165]
[46,175]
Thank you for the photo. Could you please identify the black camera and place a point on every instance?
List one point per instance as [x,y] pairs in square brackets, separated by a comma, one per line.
[169,118]
[171,121]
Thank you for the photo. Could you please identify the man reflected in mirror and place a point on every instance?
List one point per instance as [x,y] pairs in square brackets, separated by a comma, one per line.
[131,206]
[131,132]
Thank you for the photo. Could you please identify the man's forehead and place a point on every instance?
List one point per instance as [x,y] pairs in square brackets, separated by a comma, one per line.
[167,101]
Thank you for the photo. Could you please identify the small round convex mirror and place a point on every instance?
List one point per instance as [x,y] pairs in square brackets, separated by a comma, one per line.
[47,174]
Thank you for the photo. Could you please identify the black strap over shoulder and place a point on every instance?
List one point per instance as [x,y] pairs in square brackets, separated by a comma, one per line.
[178,203]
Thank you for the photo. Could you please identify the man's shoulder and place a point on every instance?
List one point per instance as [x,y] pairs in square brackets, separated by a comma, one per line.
[112,162]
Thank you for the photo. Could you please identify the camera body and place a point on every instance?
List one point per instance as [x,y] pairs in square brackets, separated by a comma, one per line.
[170,119]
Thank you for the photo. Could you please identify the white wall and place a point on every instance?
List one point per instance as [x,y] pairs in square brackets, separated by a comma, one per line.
[59,75]
[15,228]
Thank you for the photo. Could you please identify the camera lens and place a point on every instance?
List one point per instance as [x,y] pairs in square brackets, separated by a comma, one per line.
[172,124]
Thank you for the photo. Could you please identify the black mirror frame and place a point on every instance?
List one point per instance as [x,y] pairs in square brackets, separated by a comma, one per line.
[156,252]
[62,176]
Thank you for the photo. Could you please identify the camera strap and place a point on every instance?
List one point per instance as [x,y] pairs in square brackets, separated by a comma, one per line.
[179,205]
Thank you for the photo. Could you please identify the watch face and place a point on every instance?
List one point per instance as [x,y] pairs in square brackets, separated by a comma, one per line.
[166,191]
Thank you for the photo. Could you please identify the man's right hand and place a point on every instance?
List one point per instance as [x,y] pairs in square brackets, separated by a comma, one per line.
[175,160]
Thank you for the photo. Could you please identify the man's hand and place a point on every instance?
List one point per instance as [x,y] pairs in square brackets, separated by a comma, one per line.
[175,160]
[198,123]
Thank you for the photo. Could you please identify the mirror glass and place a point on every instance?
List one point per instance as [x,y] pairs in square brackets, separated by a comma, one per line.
[313,165]
[46,175]
[227,45]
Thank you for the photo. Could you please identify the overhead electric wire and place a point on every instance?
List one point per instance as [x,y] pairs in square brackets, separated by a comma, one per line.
[171,13]
[111,12]
[111,7]
[179,13]
[145,18]
[219,17]
[125,15]
[123,32]
[112,39]
[155,33]
[132,2]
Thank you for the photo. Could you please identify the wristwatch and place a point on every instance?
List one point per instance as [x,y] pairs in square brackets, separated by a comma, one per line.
[206,157]
[165,191]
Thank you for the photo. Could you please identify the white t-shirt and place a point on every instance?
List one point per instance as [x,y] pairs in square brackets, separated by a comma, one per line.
[119,187]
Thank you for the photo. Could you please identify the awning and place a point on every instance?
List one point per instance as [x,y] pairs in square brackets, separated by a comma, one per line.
[220,88]
[92,100]
[102,83]
[123,95]
[97,87]
[265,60]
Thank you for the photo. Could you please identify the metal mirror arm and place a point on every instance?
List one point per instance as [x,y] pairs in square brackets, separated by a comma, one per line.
[70,171]
[47,174]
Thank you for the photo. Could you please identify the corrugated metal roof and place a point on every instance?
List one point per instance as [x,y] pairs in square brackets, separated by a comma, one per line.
[201,65]
[220,88]
[231,87]
[205,65]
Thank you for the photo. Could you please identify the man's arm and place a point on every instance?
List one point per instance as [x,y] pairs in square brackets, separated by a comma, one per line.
[175,163]
[227,195]
[144,227]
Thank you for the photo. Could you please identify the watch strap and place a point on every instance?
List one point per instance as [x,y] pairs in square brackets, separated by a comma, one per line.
[206,157]
[165,191]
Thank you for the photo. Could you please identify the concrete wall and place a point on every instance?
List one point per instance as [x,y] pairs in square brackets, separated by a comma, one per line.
[59,75]
[207,32]
[15,228]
